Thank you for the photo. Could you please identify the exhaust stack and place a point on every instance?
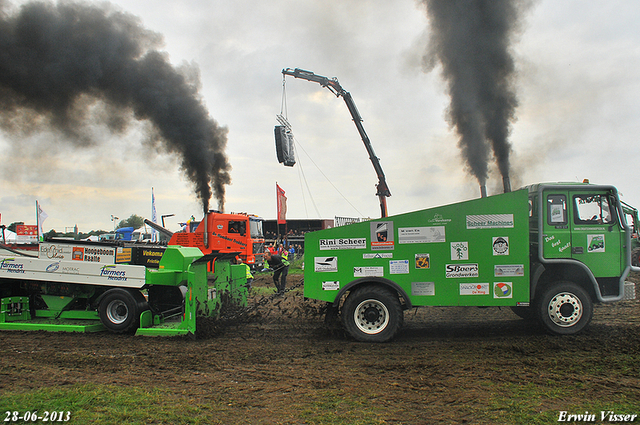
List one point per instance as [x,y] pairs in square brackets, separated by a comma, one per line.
[483,191]
[506,183]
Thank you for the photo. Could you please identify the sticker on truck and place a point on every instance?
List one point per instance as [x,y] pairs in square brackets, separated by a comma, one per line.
[368,272]
[423,288]
[399,266]
[461,270]
[325,264]
[345,243]
[459,251]
[332,285]
[382,235]
[422,261]
[490,221]
[474,289]
[421,234]
[508,270]
[500,245]
[502,290]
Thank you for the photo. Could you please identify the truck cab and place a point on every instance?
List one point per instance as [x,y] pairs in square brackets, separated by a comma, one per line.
[579,233]
[226,233]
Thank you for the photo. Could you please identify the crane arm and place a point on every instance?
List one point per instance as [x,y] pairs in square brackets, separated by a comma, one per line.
[334,86]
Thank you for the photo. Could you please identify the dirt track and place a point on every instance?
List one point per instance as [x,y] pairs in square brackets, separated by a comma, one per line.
[444,366]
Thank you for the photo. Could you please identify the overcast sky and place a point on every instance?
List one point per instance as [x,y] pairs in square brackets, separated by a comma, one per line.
[578,88]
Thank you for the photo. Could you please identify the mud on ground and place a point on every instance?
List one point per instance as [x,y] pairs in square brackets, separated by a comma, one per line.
[272,364]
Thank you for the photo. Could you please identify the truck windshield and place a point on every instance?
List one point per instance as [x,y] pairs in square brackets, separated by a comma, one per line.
[256,228]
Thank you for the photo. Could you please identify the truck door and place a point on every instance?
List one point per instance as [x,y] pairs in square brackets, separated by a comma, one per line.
[556,237]
[596,234]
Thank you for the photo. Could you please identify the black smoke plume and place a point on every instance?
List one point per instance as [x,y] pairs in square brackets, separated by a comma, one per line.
[54,57]
[471,39]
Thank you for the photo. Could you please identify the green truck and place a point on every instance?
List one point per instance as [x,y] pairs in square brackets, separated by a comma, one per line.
[78,286]
[548,251]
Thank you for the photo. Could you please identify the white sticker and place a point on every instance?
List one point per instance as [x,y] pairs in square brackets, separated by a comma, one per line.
[378,255]
[461,270]
[331,285]
[325,264]
[399,266]
[344,243]
[459,251]
[500,245]
[490,221]
[474,289]
[421,234]
[508,270]
[368,271]
[595,243]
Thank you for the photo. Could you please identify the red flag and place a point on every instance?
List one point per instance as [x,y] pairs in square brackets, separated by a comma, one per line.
[282,205]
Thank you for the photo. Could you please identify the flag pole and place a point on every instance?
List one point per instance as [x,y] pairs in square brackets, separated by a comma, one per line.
[38,219]
[277,214]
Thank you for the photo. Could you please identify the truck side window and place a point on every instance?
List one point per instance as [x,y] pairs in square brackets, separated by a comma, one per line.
[556,210]
[592,209]
[239,227]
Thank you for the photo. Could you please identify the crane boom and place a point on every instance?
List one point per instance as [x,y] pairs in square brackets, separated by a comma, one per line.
[334,86]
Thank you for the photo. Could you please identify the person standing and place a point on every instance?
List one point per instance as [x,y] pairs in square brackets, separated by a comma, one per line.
[280,268]
[248,273]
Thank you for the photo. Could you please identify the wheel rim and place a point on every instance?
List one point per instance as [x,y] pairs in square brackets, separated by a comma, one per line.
[565,309]
[371,316]
[117,312]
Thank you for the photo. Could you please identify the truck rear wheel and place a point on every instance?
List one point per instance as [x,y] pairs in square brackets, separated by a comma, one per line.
[372,314]
[565,308]
[120,310]
[635,257]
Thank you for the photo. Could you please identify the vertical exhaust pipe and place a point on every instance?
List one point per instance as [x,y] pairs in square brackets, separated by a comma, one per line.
[506,183]
[206,230]
[483,191]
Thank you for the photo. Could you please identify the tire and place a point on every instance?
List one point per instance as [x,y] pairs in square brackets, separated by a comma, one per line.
[372,314]
[564,308]
[635,257]
[120,310]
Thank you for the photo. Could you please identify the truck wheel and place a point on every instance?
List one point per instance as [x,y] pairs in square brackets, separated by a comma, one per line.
[635,257]
[565,308]
[120,310]
[372,314]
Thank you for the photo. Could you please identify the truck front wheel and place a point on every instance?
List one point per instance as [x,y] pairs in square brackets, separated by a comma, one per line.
[372,314]
[565,308]
[120,310]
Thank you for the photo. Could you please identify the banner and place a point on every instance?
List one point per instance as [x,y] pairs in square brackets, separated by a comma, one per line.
[282,205]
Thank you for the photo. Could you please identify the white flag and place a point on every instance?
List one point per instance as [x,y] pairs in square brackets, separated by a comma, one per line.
[42,216]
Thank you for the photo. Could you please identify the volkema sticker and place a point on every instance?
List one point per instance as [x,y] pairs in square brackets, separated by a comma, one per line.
[490,221]
[345,243]
[325,264]
[461,270]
